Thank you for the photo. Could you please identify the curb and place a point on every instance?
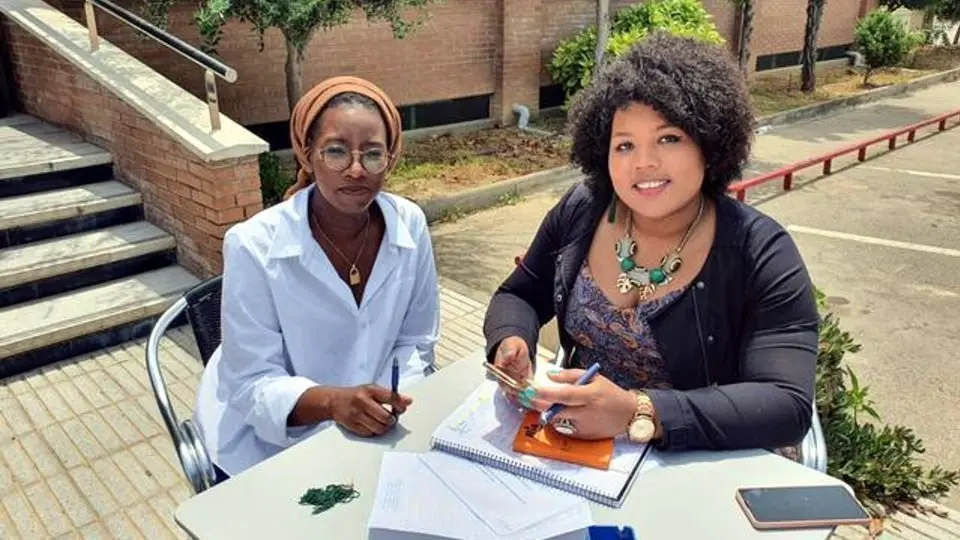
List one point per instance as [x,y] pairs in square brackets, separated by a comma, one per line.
[487,196]
[822,109]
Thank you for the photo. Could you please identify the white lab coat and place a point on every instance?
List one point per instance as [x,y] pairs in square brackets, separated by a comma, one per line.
[289,322]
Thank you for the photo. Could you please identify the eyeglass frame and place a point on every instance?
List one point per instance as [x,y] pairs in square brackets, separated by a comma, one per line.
[353,158]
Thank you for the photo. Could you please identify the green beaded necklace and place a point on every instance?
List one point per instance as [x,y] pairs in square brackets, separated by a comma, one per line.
[634,275]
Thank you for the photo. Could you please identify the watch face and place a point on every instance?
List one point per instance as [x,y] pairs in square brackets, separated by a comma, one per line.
[642,430]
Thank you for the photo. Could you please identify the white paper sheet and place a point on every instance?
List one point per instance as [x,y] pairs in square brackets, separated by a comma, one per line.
[412,501]
[507,503]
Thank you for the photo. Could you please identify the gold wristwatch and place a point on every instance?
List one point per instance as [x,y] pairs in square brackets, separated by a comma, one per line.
[642,428]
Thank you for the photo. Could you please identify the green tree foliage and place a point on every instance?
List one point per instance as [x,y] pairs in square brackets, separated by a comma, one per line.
[884,40]
[948,10]
[574,59]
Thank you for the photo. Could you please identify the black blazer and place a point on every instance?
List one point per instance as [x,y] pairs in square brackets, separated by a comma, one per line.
[740,344]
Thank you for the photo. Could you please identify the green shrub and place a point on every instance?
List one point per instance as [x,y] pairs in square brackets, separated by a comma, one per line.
[573,62]
[877,461]
[274,179]
[884,40]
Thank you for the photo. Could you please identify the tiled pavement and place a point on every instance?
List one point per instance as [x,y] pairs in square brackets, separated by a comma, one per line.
[84,453]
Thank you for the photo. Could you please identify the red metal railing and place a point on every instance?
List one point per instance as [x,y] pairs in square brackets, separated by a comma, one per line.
[786,173]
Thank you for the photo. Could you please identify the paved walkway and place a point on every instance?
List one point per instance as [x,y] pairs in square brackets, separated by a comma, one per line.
[84,453]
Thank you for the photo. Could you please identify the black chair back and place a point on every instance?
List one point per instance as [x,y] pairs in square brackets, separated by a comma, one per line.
[203,312]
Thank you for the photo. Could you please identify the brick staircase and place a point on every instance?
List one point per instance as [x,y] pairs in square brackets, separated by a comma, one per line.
[80,269]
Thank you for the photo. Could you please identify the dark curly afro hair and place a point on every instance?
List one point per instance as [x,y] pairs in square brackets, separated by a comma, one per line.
[696,86]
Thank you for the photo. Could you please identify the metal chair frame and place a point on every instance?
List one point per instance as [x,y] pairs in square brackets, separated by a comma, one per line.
[194,459]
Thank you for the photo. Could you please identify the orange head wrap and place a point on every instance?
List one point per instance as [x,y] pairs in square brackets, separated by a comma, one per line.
[308,109]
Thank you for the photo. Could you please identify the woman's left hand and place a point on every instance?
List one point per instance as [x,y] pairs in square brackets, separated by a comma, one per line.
[597,410]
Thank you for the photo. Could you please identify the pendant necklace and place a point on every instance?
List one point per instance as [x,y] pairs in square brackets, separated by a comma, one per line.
[354,274]
[633,275]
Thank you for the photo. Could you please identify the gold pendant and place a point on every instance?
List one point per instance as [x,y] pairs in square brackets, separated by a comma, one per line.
[624,284]
[647,291]
[354,275]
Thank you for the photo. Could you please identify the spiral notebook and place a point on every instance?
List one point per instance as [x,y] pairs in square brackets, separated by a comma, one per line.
[483,429]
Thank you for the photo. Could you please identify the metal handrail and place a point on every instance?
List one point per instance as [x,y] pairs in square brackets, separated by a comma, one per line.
[211,66]
[739,189]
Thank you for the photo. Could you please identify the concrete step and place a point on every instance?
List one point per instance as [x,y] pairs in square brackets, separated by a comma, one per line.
[38,216]
[35,270]
[33,147]
[41,332]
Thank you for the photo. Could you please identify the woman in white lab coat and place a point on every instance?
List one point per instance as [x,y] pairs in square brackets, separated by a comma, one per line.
[322,291]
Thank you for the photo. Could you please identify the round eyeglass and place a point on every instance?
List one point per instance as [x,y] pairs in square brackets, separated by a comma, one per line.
[338,158]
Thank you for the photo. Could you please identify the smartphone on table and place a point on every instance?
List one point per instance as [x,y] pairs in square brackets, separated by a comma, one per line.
[801,507]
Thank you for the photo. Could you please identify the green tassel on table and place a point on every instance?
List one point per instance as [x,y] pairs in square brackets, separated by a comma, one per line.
[323,499]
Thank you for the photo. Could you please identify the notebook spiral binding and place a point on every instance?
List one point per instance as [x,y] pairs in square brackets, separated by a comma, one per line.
[525,470]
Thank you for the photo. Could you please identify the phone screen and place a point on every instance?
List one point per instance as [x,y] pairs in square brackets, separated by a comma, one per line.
[814,503]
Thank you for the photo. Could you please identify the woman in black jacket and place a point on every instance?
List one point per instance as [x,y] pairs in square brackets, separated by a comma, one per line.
[698,308]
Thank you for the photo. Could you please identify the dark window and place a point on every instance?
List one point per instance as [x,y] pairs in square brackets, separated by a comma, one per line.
[834,52]
[551,96]
[276,134]
[792,58]
[7,94]
[418,115]
[451,111]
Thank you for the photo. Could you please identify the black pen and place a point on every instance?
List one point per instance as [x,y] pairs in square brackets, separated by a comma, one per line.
[395,385]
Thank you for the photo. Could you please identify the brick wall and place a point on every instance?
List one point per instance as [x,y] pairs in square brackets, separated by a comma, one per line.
[194,200]
[450,56]
[457,53]
[778,24]
[517,60]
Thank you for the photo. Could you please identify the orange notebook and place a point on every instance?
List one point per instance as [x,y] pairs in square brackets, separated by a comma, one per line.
[550,444]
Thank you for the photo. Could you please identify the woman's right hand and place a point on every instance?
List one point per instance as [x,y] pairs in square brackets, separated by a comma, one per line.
[513,358]
[360,409]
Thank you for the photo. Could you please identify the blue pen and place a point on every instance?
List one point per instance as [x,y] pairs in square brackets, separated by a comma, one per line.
[547,416]
[395,380]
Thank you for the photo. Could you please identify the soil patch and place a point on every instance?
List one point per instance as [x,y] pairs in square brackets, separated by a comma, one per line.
[446,164]
[776,93]
[939,58]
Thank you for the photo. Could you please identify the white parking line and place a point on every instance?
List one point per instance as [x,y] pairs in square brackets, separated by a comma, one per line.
[914,173]
[875,241]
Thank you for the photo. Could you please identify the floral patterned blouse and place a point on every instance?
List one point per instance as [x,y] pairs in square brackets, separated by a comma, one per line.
[620,339]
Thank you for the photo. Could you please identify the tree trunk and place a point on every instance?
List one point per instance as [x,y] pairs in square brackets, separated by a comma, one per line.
[956,37]
[294,72]
[603,33]
[928,17]
[808,76]
[746,29]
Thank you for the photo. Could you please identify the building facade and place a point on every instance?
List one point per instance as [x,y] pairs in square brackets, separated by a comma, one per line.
[473,59]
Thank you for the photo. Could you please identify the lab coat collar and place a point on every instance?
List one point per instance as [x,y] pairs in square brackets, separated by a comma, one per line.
[293,231]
